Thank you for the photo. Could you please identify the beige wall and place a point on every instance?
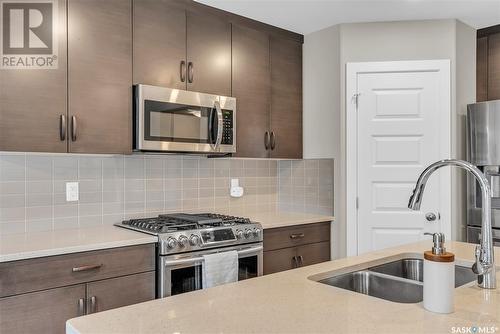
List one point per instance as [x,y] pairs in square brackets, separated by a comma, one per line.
[389,41]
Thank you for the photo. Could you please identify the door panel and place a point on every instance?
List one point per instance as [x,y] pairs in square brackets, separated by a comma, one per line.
[159,43]
[482,69]
[280,260]
[32,101]
[41,312]
[286,98]
[100,78]
[121,291]
[313,253]
[209,50]
[399,126]
[251,87]
[494,67]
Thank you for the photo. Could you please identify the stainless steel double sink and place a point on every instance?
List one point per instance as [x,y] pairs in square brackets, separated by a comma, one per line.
[399,281]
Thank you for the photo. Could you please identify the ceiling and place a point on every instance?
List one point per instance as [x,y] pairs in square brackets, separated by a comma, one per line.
[306,16]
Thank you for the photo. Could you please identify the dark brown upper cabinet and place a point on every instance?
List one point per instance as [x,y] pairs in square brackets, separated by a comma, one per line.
[100,76]
[33,102]
[160,43]
[178,48]
[494,66]
[208,54]
[251,78]
[286,98]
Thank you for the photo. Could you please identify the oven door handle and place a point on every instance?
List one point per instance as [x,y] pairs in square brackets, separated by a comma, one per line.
[200,258]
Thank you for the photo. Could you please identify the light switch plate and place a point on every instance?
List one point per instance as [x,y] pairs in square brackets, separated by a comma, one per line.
[71,191]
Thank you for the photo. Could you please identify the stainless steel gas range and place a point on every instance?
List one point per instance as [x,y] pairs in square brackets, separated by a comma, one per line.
[183,240]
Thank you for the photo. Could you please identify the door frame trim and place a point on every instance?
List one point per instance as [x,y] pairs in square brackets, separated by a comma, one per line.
[352,70]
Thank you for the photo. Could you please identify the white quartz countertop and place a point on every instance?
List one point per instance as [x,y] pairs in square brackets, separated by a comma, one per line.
[291,302]
[37,244]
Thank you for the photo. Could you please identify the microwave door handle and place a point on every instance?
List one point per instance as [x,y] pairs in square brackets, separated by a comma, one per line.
[210,128]
[219,124]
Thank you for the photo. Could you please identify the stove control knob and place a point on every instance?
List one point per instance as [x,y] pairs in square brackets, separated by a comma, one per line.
[248,233]
[239,234]
[194,240]
[171,243]
[183,241]
[256,232]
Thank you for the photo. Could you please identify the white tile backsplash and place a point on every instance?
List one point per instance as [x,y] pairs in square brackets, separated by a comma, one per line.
[113,188]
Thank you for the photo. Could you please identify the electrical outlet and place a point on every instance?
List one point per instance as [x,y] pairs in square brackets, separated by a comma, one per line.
[71,191]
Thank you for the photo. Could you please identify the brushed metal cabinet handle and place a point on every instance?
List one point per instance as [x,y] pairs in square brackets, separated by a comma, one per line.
[301,261]
[93,304]
[81,306]
[183,71]
[86,268]
[295,262]
[190,72]
[73,128]
[266,140]
[297,236]
[62,127]
[273,140]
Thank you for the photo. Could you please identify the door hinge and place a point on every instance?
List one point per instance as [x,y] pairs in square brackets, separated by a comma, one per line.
[355,99]
[357,203]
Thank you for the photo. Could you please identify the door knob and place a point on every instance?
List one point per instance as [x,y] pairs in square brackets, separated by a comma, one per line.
[430,216]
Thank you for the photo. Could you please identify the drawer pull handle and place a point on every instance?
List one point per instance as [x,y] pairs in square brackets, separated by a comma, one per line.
[87,268]
[297,236]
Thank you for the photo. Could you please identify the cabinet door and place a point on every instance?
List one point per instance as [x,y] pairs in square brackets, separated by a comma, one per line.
[280,260]
[100,75]
[251,87]
[313,253]
[209,53]
[41,312]
[286,98]
[121,291]
[159,43]
[32,102]
[482,69]
[494,67]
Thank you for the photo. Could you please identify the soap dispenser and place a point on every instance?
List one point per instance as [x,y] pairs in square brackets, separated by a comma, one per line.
[439,277]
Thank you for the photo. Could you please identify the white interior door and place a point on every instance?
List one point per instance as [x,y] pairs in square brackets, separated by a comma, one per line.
[401,124]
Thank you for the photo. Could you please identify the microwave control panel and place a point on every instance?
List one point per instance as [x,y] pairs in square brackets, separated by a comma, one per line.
[227,127]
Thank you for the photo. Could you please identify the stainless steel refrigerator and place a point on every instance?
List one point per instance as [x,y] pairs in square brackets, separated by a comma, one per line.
[483,150]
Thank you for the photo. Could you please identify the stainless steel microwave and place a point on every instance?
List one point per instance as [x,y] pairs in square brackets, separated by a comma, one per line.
[174,120]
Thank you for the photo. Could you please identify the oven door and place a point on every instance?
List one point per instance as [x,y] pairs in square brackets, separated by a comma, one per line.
[183,273]
[181,121]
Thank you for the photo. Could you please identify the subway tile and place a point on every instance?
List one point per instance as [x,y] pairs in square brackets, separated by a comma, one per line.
[12,227]
[173,173]
[190,163]
[12,214]
[90,197]
[112,196]
[152,185]
[173,162]
[91,185]
[134,185]
[113,185]
[134,168]
[65,223]
[39,200]
[171,184]
[134,196]
[90,221]
[12,188]
[37,187]
[39,225]
[39,167]
[115,208]
[12,167]
[65,168]
[112,218]
[205,163]
[39,212]
[134,207]
[12,201]
[190,183]
[153,196]
[190,173]
[206,172]
[89,209]
[64,211]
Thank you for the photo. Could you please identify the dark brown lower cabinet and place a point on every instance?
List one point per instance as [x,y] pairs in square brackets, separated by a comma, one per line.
[296,246]
[41,312]
[39,295]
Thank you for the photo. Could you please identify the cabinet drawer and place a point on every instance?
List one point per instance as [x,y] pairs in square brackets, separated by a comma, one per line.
[283,237]
[54,271]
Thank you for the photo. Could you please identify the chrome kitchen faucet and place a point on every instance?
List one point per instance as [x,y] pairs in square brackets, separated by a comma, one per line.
[484,266]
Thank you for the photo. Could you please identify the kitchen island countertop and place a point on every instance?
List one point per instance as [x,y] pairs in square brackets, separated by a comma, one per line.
[292,302]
